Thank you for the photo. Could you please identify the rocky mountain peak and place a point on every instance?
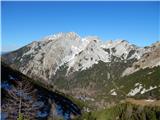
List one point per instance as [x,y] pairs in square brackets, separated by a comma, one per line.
[150,59]
[43,58]
[64,36]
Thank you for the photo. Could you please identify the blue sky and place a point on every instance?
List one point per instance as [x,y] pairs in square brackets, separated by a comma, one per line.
[24,22]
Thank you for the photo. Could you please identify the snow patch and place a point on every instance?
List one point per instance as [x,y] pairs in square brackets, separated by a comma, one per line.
[113,92]
[139,89]
[137,84]
[135,90]
[144,90]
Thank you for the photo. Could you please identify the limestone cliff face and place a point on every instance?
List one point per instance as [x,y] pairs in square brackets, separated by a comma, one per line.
[41,59]
[89,69]
[149,59]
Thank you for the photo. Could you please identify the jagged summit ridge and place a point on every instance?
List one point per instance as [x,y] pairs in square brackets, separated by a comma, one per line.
[43,58]
[61,35]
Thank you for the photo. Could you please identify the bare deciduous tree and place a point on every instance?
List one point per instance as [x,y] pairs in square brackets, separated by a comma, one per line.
[21,100]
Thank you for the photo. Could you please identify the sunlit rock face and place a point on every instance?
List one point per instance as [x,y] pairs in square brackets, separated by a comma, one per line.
[43,58]
[88,68]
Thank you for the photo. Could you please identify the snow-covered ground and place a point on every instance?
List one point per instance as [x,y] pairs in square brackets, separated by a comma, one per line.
[140,89]
[136,90]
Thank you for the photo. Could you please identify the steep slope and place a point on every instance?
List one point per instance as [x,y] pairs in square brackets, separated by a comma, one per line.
[41,59]
[149,59]
[100,87]
[51,104]
[112,51]
[124,50]
[89,69]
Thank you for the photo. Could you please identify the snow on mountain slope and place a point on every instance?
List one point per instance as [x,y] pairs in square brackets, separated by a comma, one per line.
[91,54]
[123,49]
[96,51]
[43,58]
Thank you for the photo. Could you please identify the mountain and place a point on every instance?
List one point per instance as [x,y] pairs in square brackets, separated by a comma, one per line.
[53,104]
[47,55]
[98,73]
[149,59]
